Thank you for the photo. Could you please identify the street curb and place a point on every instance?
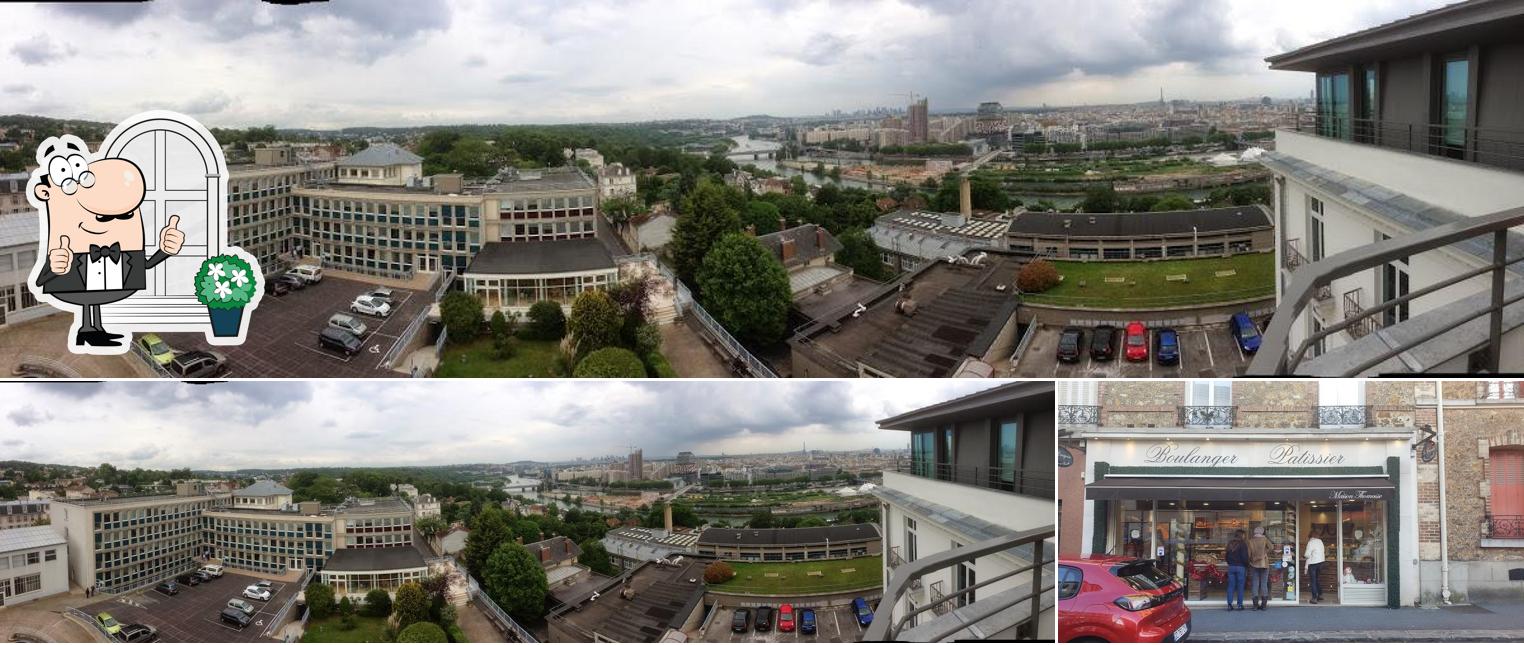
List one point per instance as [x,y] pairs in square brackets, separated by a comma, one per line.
[1365,636]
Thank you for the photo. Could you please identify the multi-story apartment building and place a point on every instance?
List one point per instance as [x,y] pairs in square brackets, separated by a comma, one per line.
[22,513]
[128,542]
[1173,469]
[1418,130]
[917,122]
[616,180]
[34,563]
[13,193]
[973,506]
[261,214]
[18,254]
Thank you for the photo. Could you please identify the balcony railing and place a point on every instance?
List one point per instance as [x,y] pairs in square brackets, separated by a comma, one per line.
[1079,415]
[1208,416]
[1505,526]
[1277,357]
[1358,416]
[939,602]
[888,625]
[1292,259]
[1498,147]
[1034,482]
[895,559]
[1364,323]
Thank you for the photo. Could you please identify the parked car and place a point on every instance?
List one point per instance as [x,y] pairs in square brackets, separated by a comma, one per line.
[741,620]
[370,306]
[277,287]
[348,323]
[241,605]
[1070,340]
[786,618]
[108,623]
[202,576]
[189,579]
[256,592]
[1244,332]
[863,612]
[264,584]
[339,340]
[167,588]
[235,617]
[806,621]
[1167,346]
[1121,600]
[1136,343]
[199,364]
[309,274]
[213,570]
[138,633]
[161,352]
[381,293]
[764,619]
[1103,343]
[295,282]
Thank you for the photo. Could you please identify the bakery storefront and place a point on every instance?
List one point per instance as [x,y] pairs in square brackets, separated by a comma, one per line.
[1180,501]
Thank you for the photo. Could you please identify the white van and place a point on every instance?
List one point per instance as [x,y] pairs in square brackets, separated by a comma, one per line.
[308,273]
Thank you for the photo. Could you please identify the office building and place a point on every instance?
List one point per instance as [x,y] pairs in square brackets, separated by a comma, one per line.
[635,466]
[120,544]
[34,563]
[918,123]
[785,545]
[1210,232]
[264,535]
[1418,125]
[980,472]
[261,211]
[18,255]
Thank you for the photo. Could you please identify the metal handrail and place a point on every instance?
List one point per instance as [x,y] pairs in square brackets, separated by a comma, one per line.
[1034,482]
[1275,356]
[1500,147]
[477,594]
[1079,415]
[1197,416]
[886,627]
[1505,526]
[1292,259]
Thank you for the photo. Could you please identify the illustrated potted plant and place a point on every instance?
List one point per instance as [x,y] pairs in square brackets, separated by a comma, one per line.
[226,284]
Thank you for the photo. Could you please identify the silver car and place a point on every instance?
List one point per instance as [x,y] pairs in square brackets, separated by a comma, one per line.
[348,323]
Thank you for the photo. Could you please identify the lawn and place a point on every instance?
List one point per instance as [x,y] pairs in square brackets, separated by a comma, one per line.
[532,359]
[1144,284]
[328,630]
[794,577]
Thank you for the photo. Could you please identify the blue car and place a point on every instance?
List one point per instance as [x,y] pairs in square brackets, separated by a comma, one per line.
[806,621]
[1244,332]
[1166,346]
[864,613]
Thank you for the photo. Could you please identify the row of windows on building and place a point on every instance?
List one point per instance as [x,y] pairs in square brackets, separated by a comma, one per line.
[411,214]
[15,297]
[18,560]
[528,204]
[272,529]
[790,556]
[275,546]
[255,188]
[147,515]
[113,538]
[20,585]
[1144,252]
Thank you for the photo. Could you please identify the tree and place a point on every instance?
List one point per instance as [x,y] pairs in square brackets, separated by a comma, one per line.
[319,600]
[378,603]
[346,606]
[515,581]
[422,633]
[1173,202]
[499,324]
[595,557]
[1099,199]
[761,216]
[489,529]
[595,321]
[411,605]
[611,362]
[797,186]
[547,321]
[762,519]
[813,520]
[1037,276]
[620,210]
[462,315]
[746,289]
[706,217]
[859,251]
[718,571]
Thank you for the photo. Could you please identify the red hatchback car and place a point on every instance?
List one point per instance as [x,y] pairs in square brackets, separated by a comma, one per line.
[786,618]
[1116,599]
[1137,342]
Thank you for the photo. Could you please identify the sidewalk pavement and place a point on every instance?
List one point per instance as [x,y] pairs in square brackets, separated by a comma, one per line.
[1494,622]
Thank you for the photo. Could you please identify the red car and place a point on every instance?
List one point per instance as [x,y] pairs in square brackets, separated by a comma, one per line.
[1137,342]
[1117,599]
[786,618]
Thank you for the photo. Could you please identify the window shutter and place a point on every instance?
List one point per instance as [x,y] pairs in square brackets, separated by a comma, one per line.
[1506,477]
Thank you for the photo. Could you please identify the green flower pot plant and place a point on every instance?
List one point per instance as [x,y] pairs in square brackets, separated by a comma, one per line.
[227,284]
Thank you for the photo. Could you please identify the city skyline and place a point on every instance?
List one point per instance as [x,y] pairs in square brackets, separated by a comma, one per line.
[272,424]
[383,63]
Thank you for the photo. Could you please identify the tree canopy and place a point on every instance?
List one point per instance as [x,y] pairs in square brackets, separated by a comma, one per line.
[746,289]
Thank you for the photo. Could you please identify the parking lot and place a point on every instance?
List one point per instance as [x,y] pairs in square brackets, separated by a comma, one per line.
[832,625]
[1206,351]
[194,615]
[282,339]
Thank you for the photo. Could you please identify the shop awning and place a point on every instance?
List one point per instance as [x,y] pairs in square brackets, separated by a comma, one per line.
[1243,489]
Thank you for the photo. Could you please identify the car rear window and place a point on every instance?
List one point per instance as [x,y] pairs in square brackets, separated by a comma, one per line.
[1135,340]
[1069,580]
[1142,575]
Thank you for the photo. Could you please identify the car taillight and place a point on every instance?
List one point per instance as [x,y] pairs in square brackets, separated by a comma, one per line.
[1137,602]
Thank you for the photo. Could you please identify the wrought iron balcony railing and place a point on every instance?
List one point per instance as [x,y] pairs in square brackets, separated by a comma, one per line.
[895,559]
[1364,323]
[1032,482]
[1277,357]
[1357,416]
[888,623]
[1079,415]
[1498,147]
[1208,416]
[1292,259]
[1505,526]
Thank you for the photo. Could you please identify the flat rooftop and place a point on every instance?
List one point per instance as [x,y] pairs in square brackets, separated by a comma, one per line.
[781,537]
[384,559]
[129,500]
[664,598]
[553,256]
[1131,225]
[30,537]
[960,308]
[528,181]
[373,506]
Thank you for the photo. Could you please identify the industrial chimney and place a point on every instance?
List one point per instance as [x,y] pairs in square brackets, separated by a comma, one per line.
[965,197]
[666,516]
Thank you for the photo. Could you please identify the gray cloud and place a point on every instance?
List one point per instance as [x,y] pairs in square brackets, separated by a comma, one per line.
[28,416]
[41,50]
[475,60]
[18,88]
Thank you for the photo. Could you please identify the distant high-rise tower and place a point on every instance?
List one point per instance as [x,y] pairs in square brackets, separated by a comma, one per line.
[1161,96]
[920,126]
[636,466]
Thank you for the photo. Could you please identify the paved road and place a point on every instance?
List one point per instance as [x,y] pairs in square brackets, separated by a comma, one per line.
[1459,623]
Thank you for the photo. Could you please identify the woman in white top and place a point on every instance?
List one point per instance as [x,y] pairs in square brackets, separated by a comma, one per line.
[1313,555]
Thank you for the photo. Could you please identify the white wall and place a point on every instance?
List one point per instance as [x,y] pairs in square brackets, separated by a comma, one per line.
[55,574]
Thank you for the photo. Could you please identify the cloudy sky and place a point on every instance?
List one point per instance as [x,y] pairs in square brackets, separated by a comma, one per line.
[255,424]
[240,63]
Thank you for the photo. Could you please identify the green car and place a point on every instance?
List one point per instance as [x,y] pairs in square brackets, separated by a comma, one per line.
[157,348]
[108,623]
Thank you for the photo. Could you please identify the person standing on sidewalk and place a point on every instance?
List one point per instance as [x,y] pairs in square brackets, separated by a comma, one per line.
[1315,559]
[1238,568]
[1259,568]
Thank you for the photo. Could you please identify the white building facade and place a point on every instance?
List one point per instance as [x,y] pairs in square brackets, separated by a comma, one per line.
[34,563]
